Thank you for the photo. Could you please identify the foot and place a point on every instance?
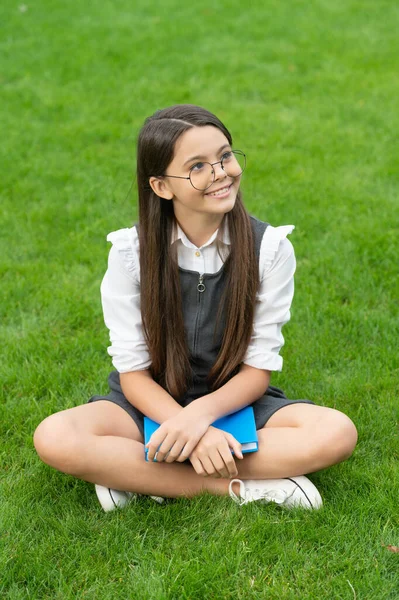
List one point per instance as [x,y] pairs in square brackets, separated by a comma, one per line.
[111,499]
[288,492]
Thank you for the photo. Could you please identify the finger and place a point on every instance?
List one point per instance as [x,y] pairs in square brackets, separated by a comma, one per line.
[152,451]
[154,443]
[219,463]
[190,445]
[235,446]
[165,447]
[229,468]
[209,466]
[229,462]
[199,469]
[184,455]
[175,451]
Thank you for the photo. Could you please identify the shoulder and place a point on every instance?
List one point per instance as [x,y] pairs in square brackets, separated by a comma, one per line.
[275,247]
[125,249]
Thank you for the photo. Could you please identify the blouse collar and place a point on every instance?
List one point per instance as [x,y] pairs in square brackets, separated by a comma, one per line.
[178,234]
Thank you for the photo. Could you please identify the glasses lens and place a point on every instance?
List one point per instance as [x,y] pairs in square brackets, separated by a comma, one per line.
[234,163]
[202,176]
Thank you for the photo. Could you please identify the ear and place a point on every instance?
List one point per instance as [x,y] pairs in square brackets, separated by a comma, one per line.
[160,188]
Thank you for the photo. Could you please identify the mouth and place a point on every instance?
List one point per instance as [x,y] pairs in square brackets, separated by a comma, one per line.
[221,192]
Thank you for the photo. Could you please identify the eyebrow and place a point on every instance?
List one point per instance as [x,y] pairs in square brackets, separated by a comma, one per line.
[195,157]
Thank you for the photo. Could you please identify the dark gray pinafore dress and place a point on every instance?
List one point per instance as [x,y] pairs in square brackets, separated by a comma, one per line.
[201,297]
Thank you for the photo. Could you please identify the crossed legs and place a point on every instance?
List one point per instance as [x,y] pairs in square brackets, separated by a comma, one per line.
[100,443]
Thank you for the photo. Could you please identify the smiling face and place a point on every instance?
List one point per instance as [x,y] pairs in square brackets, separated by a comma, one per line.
[196,145]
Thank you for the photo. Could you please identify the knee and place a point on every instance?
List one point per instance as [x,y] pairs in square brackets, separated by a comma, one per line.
[341,436]
[56,443]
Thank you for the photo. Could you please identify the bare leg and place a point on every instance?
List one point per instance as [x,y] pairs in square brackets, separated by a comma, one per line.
[299,439]
[100,443]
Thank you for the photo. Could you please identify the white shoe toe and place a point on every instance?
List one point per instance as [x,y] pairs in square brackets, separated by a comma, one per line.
[305,494]
[111,499]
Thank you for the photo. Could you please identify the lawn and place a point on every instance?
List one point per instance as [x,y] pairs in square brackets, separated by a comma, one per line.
[310,92]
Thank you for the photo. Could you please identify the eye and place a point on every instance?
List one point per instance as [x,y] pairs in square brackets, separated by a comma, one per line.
[227,155]
[197,167]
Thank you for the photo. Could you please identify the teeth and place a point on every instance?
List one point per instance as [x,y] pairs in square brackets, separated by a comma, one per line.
[220,192]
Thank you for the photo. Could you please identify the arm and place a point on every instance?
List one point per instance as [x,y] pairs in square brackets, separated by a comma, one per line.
[244,388]
[148,396]
[120,296]
[178,436]
[213,454]
[272,311]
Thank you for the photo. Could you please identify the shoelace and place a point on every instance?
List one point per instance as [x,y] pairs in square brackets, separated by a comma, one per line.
[247,495]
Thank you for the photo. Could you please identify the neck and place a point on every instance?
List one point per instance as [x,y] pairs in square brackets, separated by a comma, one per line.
[199,233]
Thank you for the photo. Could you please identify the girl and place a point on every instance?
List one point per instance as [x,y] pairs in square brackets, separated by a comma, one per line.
[194,298]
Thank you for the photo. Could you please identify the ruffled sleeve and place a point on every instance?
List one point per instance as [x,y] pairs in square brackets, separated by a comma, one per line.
[120,298]
[272,310]
[125,245]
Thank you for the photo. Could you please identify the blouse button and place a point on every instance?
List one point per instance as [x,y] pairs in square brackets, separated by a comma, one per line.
[198,253]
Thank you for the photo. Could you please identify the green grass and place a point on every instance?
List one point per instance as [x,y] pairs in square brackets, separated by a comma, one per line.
[309,91]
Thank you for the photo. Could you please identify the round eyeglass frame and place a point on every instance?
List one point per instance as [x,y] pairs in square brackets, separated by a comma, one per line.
[239,152]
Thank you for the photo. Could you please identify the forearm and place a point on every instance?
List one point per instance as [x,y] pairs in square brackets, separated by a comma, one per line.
[244,388]
[148,396]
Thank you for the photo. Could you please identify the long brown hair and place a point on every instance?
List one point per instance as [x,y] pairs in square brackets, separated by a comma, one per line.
[161,305]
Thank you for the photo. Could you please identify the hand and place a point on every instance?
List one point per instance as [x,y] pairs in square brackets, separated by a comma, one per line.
[212,455]
[177,437]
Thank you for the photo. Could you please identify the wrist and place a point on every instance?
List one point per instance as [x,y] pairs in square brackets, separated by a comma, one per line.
[198,410]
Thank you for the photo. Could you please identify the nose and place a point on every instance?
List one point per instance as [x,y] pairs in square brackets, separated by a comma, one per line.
[220,173]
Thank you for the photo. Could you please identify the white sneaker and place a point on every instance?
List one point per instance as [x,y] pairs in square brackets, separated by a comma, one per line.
[288,492]
[111,499]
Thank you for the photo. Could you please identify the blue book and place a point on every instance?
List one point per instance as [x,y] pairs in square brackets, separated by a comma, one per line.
[240,424]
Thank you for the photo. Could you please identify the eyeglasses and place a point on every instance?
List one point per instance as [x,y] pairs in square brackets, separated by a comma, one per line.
[202,174]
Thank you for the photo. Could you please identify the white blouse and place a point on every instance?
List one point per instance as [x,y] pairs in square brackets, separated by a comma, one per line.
[120,294]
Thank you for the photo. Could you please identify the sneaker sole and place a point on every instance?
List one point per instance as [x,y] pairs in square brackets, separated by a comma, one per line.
[109,502]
